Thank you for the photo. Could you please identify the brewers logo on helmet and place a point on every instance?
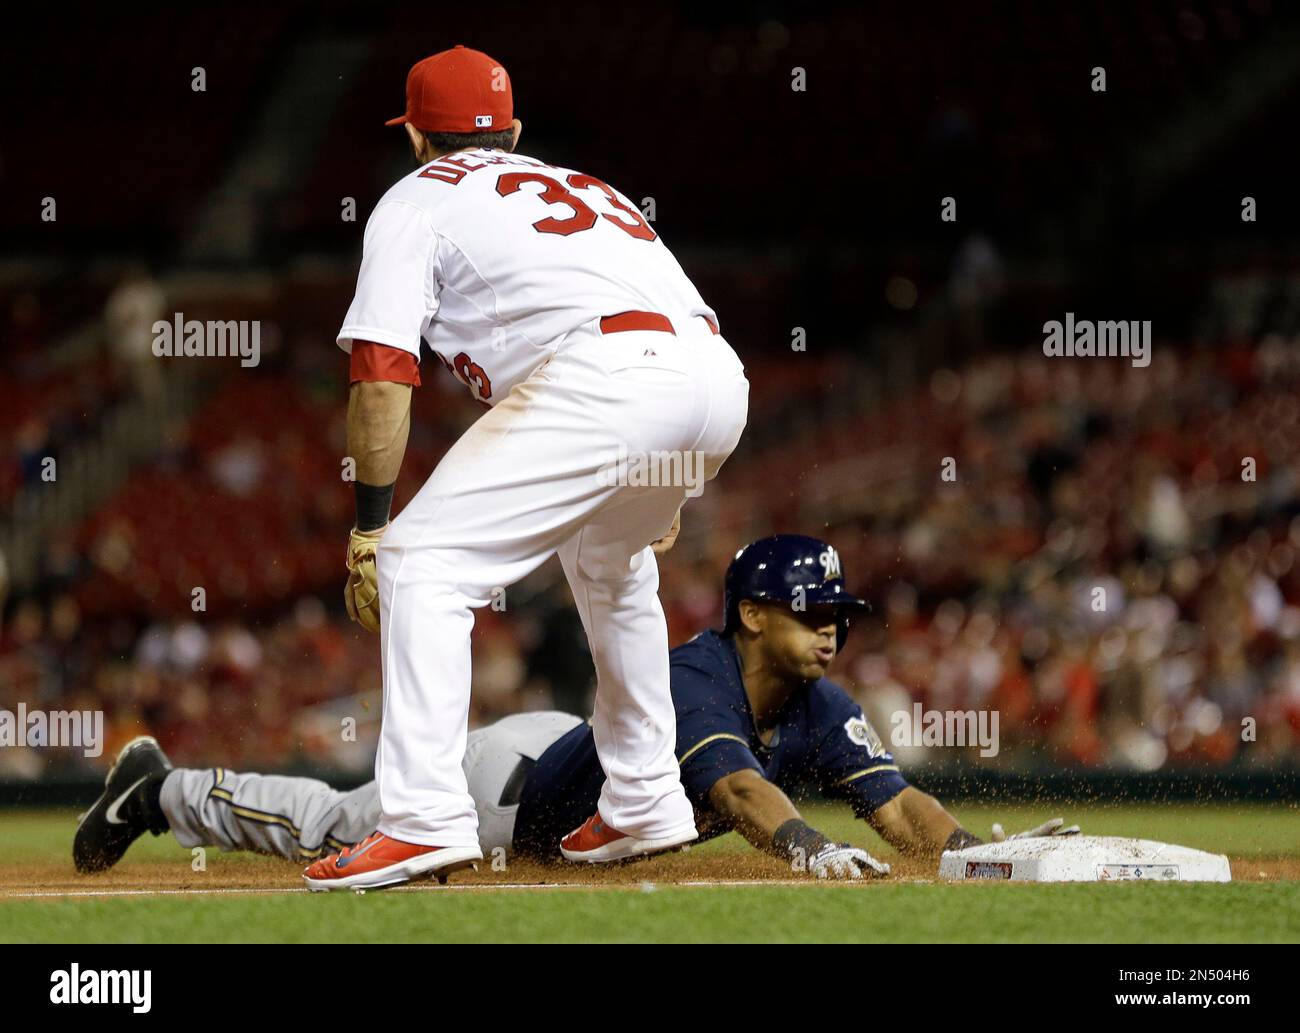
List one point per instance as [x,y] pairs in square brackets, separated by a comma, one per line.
[783,568]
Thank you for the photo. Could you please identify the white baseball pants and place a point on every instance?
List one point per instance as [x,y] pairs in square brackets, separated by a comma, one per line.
[536,475]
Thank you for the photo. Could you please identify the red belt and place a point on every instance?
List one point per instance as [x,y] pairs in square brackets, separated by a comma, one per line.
[643,321]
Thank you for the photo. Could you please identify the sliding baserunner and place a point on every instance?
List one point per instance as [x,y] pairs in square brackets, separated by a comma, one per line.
[758,727]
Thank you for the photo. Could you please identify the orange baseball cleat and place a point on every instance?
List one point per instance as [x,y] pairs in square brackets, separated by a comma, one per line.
[595,842]
[380,861]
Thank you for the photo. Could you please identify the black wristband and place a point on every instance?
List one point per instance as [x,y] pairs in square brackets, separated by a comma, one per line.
[373,505]
[961,839]
[797,835]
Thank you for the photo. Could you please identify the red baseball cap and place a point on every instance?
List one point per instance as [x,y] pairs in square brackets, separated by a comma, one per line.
[458,91]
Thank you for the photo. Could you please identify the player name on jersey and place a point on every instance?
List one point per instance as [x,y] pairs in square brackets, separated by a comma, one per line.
[452,168]
[493,258]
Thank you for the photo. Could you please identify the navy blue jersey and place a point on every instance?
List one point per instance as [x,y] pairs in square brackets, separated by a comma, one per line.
[822,742]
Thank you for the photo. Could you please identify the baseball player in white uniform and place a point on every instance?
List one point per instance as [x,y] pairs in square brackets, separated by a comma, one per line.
[613,397]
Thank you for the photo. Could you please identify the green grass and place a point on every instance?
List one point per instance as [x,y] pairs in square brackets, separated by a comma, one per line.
[1078,913]
[877,912]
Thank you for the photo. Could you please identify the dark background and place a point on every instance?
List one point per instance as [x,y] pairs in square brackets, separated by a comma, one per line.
[815,209]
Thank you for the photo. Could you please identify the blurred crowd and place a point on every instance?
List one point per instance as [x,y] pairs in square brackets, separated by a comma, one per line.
[1106,556]
[1109,560]
[49,404]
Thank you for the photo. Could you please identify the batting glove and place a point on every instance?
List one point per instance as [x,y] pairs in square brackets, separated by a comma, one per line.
[361,593]
[841,861]
[1047,828]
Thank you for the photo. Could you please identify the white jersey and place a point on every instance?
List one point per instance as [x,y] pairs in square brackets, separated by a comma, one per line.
[492,258]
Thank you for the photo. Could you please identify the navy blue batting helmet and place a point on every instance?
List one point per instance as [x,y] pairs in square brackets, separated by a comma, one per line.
[785,568]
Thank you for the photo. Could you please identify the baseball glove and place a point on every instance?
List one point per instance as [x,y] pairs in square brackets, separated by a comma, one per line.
[662,545]
[361,593]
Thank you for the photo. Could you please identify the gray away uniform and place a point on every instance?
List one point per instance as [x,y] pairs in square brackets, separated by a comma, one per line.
[303,818]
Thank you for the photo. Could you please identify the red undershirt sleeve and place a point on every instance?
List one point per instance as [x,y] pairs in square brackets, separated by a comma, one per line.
[381,362]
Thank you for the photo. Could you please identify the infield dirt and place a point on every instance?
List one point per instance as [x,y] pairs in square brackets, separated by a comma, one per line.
[266,873]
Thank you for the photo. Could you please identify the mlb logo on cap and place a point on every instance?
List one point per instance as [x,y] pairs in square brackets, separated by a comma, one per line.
[482,121]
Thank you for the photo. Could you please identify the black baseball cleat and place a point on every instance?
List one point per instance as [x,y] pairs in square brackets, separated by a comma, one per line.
[126,809]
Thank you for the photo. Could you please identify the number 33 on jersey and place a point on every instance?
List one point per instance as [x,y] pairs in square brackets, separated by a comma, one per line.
[492,258]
